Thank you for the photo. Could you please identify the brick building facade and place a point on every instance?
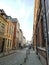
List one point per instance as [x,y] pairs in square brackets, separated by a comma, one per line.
[16,33]
[41,22]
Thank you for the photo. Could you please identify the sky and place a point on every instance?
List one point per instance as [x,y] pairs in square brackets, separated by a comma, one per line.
[24,11]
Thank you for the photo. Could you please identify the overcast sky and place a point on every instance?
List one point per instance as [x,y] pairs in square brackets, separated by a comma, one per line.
[24,11]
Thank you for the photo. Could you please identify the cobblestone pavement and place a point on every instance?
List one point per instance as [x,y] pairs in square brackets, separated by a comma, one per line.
[33,59]
[18,58]
[13,59]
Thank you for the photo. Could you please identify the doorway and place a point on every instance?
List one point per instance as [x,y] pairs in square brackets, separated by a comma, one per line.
[3,43]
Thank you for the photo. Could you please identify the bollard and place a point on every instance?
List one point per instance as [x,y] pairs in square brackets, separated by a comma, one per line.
[20,64]
[26,54]
[24,60]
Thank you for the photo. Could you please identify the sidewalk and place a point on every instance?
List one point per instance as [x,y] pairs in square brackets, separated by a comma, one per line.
[7,53]
[32,59]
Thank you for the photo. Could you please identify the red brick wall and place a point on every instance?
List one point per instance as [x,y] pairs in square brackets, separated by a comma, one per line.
[14,37]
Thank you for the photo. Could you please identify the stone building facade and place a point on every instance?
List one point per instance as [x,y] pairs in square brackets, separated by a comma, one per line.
[24,41]
[6,32]
[20,37]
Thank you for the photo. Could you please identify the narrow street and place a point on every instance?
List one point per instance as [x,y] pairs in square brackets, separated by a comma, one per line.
[18,58]
[24,32]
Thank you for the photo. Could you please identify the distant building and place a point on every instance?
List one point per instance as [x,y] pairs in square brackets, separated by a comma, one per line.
[20,37]
[24,41]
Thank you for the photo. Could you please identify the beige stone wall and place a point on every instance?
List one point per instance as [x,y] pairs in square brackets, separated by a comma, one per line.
[36,8]
[10,34]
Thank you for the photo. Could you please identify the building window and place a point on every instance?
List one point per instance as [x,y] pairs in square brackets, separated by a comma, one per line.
[2,28]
